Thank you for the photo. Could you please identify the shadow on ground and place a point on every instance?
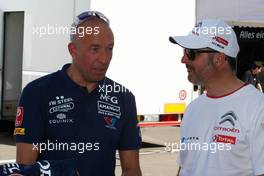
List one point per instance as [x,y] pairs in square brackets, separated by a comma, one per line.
[6,133]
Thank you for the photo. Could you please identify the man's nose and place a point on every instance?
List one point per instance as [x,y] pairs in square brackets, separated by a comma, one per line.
[184,59]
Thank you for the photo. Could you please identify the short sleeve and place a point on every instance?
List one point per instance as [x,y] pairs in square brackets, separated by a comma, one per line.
[257,143]
[130,135]
[29,121]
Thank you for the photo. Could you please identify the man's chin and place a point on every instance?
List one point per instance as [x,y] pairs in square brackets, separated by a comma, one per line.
[98,78]
[192,80]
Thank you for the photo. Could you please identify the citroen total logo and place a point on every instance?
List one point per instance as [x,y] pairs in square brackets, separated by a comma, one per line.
[228,117]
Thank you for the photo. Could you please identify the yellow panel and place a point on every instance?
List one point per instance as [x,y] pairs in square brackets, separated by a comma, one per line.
[174,108]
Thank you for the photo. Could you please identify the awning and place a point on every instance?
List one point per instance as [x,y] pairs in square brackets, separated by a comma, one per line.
[249,34]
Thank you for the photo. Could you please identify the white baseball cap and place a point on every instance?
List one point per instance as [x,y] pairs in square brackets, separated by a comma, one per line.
[214,34]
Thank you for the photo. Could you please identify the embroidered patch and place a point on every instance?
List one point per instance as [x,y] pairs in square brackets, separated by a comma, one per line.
[19,116]
[110,122]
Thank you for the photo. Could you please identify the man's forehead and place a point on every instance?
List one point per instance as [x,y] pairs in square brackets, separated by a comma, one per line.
[95,31]
[97,40]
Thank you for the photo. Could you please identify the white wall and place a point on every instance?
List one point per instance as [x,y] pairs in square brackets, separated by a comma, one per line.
[144,60]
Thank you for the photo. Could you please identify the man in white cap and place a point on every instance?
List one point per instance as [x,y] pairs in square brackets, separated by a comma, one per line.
[222,131]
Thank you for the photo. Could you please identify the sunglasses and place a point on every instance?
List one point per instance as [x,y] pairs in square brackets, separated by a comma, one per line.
[191,53]
[85,15]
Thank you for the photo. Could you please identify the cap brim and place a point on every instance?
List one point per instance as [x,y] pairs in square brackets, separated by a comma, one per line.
[190,41]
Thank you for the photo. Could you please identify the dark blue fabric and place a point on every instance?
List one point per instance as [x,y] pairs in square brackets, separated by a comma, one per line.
[46,168]
[69,122]
[10,169]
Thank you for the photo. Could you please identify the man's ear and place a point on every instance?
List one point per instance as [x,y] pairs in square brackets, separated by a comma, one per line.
[219,60]
[72,49]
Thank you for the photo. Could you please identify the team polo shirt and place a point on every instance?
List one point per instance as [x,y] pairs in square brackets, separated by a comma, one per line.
[61,117]
[223,136]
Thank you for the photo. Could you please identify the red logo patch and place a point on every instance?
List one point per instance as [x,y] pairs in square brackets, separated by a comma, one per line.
[19,117]
[221,40]
[225,139]
[108,120]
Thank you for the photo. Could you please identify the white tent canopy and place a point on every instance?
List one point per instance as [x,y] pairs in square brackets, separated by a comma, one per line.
[236,12]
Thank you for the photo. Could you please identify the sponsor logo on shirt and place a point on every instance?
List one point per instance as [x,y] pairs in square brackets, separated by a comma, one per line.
[227,129]
[224,139]
[61,105]
[20,131]
[19,116]
[108,109]
[228,117]
[108,98]
[189,139]
[227,123]
[232,130]
[110,122]
[62,108]
[61,118]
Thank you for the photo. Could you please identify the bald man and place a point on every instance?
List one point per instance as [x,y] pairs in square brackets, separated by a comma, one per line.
[77,112]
